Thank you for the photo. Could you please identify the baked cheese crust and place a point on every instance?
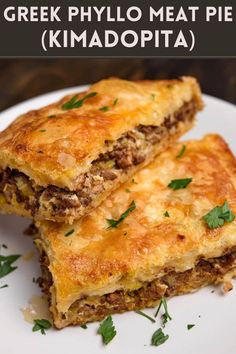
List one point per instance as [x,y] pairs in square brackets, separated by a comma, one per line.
[53,146]
[88,259]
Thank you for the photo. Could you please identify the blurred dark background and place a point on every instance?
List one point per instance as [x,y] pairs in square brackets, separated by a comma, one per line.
[21,79]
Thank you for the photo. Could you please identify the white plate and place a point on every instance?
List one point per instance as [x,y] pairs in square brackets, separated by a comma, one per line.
[213,314]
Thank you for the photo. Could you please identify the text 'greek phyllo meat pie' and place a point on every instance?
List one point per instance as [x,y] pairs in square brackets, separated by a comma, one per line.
[169,230]
[60,161]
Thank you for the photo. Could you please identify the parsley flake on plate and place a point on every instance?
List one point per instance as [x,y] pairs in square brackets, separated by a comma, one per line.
[145,315]
[3,286]
[75,103]
[159,338]
[166,214]
[181,152]
[179,183]
[166,316]
[114,223]
[107,330]
[218,216]
[70,232]
[41,325]
[6,264]
[190,326]
[84,326]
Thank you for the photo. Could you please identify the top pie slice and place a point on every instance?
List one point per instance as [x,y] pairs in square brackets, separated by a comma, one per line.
[61,161]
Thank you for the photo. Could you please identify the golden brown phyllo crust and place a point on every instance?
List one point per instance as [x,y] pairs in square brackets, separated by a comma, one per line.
[94,308]
[130,152]
[58,164]
[91,270]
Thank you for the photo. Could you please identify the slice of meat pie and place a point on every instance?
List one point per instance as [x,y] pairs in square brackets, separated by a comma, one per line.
[169,230]
[60,161]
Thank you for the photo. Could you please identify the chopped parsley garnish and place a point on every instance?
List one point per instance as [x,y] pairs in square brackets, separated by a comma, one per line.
[69,232]
[166,214]
[107,108]
[42,130]
[84,326]
[133,181]
[190,326]
[114,223]
[166,316]
[4,246]
[128,190]
[34,280]
[52,116]
[181,152]
[145,315]
[218,216]
[159,338]
[41,325]
[153,97]
[107,330]
[6,264]
[3,286]
[104,109]
[75,103]
[115,102]
[179,183]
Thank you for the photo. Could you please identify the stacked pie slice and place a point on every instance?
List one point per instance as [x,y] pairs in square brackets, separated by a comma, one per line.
[124,213]
[59,162]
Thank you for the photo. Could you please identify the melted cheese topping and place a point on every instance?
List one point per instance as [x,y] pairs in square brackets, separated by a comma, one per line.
[70,140]
[95,260]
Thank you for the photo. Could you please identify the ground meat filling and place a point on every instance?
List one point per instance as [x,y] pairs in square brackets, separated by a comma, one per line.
[172,283]
[130,150]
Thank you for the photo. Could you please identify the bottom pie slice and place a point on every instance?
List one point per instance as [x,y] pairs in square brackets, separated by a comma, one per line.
[168,231]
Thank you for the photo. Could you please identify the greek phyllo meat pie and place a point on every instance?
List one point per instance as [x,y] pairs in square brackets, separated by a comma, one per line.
[169,230]
[60,161]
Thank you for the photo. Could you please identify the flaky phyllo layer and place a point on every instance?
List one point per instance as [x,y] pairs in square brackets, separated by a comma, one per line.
[94,308]
[131,151]
[157,234]
[60,161]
